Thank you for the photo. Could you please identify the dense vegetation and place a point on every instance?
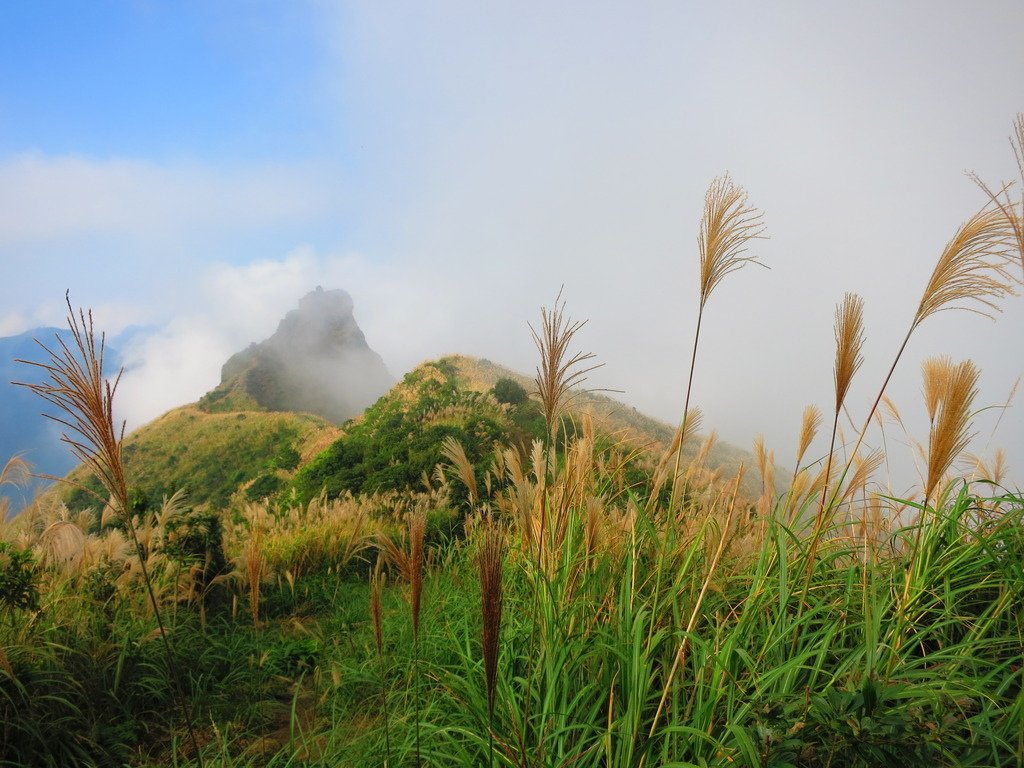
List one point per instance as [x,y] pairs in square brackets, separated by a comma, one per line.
[538,605]
[398,440]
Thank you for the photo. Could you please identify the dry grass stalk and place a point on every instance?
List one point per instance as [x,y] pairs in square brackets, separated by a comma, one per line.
[255,567]
[680,655]
[809,426]
[490,558]
[1001,199]
[972,269]
[376,586]
[84,398]
[417,532]
[936,373]
[559,372]
[727,227]
[688,429]
[62,546]
[765,460]
[76,387]
[849,332]
[863,470]
[452,450]
[951,431]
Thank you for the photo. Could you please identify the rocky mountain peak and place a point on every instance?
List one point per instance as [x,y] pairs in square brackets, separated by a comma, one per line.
[317,361]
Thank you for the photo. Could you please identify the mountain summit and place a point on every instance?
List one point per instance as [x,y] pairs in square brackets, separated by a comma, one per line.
[317,361]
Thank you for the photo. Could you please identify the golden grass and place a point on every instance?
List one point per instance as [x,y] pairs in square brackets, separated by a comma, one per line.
[1005,204]
[559,372]
[727,227]
[810,423]
[490,558]
[972,270]
[950,432]
[849,333]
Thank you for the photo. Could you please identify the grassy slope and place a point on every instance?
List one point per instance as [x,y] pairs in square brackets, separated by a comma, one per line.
[622,421]
[213,449]
[212,454]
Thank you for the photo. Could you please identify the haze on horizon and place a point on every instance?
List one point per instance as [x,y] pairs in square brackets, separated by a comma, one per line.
[197,168]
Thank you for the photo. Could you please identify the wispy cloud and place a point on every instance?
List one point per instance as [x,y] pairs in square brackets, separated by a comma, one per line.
[44,197]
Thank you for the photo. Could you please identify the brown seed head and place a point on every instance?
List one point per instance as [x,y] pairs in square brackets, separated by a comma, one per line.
[849,329]
[950,433]
[809,426]
[417,531]
[972,269]
[936,373]
[728,225]
[558,372]
[490,557]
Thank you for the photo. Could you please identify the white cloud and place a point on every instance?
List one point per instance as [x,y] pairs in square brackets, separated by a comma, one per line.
[44,197]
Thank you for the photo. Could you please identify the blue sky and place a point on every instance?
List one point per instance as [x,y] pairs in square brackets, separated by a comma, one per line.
[206,81]
[197,167]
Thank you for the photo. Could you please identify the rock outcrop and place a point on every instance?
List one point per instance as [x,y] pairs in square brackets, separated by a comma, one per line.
[317,362]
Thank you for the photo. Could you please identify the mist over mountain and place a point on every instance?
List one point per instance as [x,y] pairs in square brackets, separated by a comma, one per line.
[317,361]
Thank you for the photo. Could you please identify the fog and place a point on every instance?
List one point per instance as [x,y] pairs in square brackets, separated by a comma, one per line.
[472,161]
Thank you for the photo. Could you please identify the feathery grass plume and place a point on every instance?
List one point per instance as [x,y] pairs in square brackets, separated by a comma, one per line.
[452,450]
[982,470]
[688,429]
[936,373]
[849,333]
[559,371]
[810,423]
[727,227]
[490,558]
[765,461]
[255,567]
[417,531]
[15,472]
[863,469]
[84,398]
[972,269]
[61,546]
[951,431]
[1001,199]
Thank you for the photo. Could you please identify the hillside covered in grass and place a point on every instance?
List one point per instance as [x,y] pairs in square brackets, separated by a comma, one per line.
[212,456]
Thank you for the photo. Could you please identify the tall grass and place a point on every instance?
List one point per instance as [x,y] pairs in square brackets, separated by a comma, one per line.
[84,399]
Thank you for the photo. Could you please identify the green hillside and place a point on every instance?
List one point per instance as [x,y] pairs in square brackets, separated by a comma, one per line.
[619,421]
[213,455]
[217,454]
[399,438]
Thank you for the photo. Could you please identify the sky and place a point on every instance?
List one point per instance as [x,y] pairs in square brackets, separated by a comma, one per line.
[195,168]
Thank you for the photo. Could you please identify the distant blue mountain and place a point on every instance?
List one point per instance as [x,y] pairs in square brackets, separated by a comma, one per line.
[24,430]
